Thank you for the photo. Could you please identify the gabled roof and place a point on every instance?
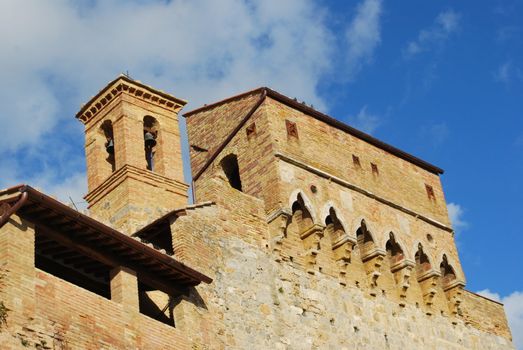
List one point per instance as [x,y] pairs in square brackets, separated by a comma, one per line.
[96,240]
[328,120]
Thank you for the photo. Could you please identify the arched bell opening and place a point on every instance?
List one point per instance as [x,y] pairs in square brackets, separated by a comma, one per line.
[394,250]
[231,169]
[107,131]
[301,215]
[422,262]
[333,226]
[150,134]
[447,272]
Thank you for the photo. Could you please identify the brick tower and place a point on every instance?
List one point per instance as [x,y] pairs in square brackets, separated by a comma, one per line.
[134,162]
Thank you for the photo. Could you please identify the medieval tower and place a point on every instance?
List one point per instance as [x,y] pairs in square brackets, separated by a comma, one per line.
[305,234]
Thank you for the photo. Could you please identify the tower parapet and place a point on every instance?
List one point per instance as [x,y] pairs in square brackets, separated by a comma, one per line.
[133,152]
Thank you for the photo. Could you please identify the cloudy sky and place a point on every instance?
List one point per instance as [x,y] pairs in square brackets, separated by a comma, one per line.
[442,80]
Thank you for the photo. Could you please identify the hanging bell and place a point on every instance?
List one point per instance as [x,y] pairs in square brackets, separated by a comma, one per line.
[150,142]
[109,146]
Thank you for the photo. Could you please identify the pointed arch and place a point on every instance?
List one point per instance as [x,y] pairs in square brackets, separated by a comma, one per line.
[394,250]
[363,234]
[423,263]
[298,193]
[334,226]
[301,214]
[448,274]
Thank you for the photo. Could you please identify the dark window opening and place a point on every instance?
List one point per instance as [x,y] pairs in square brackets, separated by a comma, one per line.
[375,170]
[71,265]
[356,161]
[232,171]
[107,130]
[160,236]
[157,304]
[292,129]
[430,192]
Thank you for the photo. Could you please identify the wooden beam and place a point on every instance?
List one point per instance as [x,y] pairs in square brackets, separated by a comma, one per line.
[108,259]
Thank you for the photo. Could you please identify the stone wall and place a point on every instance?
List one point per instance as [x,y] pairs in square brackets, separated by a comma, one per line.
[260,301]
[316,167]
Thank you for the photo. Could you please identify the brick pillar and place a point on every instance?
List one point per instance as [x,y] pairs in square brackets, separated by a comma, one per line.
[17,266]
[129,143]
[124,287]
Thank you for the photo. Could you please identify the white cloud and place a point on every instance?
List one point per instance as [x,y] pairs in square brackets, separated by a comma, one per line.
[56,54]
[514,308]
[365,121]
[507,72]
[456,216]
[363,35]
[202,50]
[445,24]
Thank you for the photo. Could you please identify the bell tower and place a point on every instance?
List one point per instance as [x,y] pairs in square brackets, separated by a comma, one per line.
[133,153]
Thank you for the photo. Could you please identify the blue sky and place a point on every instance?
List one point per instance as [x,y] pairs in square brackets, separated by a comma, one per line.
[442,80]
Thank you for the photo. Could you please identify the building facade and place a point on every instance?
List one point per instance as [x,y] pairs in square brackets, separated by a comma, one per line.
[305,234]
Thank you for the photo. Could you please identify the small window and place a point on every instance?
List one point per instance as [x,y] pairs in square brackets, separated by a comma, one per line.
[356,161]
[232,171]
[156,304]
[430,192]
[375,170]
[251,131]
[292,130]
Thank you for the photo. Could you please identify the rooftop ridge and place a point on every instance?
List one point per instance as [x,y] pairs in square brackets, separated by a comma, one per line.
[329,120]
[115,87]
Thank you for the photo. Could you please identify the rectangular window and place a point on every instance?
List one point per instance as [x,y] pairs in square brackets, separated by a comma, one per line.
[374,169]
[356,161]
[430,192]
[292,130]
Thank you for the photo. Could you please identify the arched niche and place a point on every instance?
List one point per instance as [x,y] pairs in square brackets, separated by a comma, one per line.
[394,250]
[334,227]
[301,214]
[423,265]
[448,274]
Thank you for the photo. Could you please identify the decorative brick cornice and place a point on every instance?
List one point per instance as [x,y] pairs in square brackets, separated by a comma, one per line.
[129,171]
[369,194]
[124,84]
